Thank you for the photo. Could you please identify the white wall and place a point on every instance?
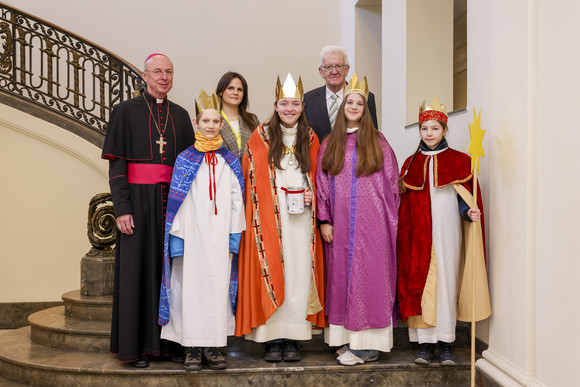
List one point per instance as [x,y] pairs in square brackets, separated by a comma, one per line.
[511,138]
[558,185]
[429,54]
[394,51]
[368,50]
[522,72]
[49,177]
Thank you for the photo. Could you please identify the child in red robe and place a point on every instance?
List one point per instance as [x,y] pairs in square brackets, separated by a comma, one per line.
[430,236]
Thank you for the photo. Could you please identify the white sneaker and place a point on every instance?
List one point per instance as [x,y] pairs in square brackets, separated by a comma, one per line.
[349,358]
[341,350]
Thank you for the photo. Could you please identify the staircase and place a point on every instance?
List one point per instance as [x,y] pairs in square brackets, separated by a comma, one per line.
[68,346]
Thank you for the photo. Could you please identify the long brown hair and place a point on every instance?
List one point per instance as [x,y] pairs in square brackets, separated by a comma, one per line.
[302,147]
[249,119]
[369,151]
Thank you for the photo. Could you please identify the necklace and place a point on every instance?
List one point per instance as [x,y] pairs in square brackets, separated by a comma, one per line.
[161,140]
[291,152]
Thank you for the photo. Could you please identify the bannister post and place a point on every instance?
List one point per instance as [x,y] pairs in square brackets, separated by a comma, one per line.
[97,266]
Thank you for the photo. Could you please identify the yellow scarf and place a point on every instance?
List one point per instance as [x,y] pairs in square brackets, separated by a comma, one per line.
[204,144]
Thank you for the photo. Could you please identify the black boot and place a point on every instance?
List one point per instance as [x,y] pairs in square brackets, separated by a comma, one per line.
[273,352]
[291,351]
[425,354]
[446,355]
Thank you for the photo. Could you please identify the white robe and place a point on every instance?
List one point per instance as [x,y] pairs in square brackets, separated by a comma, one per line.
[367,339]
[447,239]
[200,308]
[289,320]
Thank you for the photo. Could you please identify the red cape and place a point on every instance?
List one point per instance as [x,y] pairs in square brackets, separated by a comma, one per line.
[414,238]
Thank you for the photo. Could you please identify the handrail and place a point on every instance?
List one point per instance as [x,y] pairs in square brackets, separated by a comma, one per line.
[60,71]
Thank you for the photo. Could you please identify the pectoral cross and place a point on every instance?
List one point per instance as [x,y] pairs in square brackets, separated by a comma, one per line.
[161,143]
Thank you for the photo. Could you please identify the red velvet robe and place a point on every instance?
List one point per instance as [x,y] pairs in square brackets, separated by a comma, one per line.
[414,239]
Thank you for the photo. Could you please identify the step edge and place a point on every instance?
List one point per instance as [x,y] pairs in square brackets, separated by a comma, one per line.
[75,297]
[34,324]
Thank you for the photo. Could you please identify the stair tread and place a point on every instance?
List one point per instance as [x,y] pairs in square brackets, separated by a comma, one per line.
[54,319]
[75,297]
[16,347]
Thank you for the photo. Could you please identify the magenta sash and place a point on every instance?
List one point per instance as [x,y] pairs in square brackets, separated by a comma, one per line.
[149,173]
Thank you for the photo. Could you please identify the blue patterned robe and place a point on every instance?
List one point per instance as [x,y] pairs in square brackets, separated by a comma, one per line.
[184,173]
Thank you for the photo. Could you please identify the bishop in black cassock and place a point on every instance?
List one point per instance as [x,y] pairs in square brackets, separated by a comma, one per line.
[144,136]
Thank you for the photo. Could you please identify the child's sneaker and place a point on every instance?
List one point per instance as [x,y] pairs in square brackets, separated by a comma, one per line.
[192,359]
[342,350]
[425,354]
[348,358]
[446,355]
[214,358]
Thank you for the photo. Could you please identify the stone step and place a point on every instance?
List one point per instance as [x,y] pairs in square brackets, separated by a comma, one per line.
[51,327]
[9,383]
[26,362]
[88,307]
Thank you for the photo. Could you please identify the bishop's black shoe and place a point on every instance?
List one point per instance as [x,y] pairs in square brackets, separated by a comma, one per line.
[142,362]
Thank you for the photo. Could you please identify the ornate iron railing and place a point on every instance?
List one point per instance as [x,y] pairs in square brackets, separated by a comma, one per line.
[56,69]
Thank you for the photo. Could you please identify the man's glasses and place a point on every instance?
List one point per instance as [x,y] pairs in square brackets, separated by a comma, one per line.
[157,73]
[328,69]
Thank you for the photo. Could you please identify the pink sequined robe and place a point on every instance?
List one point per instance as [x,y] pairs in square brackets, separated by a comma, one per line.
[361,262]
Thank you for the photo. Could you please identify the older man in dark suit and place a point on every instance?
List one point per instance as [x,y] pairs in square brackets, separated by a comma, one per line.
[321,104]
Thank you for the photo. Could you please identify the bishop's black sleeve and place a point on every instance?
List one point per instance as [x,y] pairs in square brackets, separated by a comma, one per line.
[120,187]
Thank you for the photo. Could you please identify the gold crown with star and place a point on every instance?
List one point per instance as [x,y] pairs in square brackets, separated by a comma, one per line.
[204,101]
[356,86]
[289,89]
[434,111]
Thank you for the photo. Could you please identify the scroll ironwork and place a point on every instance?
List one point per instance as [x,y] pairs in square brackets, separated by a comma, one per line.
[101,227]
[54,68]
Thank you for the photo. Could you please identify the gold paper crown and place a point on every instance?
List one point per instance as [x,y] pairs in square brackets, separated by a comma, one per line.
[290,89]
[204,101]
[435,111]
[354,86]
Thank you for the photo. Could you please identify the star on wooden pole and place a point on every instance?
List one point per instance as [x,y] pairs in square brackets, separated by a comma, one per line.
[476,151]
[476,143]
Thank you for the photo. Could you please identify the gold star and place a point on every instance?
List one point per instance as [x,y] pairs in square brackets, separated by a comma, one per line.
[476,142]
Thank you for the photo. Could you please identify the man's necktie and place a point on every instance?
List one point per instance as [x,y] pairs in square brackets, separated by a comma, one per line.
[333,109]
